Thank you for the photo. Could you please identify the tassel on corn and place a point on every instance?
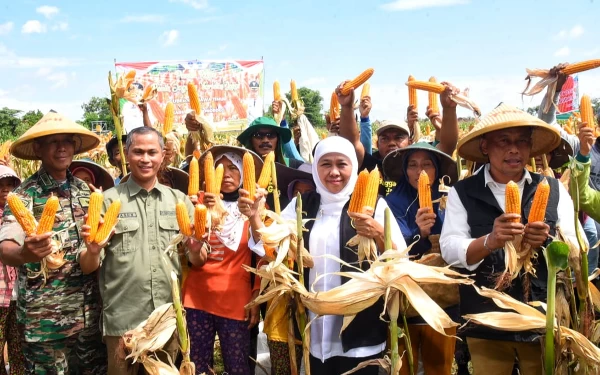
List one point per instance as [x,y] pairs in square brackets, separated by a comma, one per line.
[22,214]
[359,80]
[183,219]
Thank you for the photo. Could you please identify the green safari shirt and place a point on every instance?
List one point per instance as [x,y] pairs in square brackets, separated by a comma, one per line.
[135,276]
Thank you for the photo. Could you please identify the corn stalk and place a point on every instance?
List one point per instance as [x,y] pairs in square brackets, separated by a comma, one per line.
[299,247]
[393,309]
[187,366]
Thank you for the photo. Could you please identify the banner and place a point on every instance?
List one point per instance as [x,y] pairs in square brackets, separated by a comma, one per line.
[568,100]
[231,92]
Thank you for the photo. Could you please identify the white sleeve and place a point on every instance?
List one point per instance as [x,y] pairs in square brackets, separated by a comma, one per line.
[456,234]
[397,237]
[288,213]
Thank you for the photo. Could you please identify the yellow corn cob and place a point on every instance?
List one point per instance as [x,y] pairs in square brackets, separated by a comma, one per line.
[183,219]
[193,96]
[265,174]
[110,220]
[433,100]
[370,197]
[427,129]
[540,202]
[512,200]
[366,90]
[437,88]
[276,91]
[209,174]
[294,91]
[94,208]
[219,170]
[356,200]
[169,118]
[22,214]
[47,219]
[412,93]
[249,175]
[359,80]
[199,221]
[5,149]
[194,180]
[130,74]
[586,110]
[147,92]
[334,107]
[425,191]
[581,66]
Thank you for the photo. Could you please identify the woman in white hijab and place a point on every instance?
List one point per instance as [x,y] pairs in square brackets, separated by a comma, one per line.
[334,172]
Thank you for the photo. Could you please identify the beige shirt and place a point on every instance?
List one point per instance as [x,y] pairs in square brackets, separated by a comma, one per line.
[135,272]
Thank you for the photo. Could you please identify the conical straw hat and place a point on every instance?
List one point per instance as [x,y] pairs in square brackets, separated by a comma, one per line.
[544,137]
[53,123]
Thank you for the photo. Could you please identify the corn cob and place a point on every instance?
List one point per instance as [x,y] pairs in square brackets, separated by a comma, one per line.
[294,91]
[359,80]
[22,214]
[199,221]
[193,96]
[5,149]
[276,91]
[370,198]
[581,66]
[437,88]
[239,107]
[433,100]
[359,191]
[425,191]
[169,118]
[512,200]
[183,219]
[149,93]
[219,170]
[209,173]
[265,174]
[540,202]
[130,74]
[334,107]
[412,93]
[94,208]
[47,219]
[587,112]
[110,220]
[366,90]
[194,180]
[427,129]
[249,175]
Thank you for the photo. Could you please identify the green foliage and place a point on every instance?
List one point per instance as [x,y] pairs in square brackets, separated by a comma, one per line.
[312,105]
[9,121]
[97,109]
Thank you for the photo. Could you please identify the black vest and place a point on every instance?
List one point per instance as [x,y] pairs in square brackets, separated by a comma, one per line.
[483,209]
[367,329]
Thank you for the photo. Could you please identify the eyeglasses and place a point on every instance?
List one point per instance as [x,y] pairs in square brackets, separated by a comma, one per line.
[261,135]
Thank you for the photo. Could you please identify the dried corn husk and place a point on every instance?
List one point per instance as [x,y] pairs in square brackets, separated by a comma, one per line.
[155,367]
[526,317]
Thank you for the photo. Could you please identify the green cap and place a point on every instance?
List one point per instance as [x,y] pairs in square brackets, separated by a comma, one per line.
[285,135]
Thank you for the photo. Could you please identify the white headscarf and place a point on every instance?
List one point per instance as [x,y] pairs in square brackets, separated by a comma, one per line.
[329,200]
[233,227]
[236,160]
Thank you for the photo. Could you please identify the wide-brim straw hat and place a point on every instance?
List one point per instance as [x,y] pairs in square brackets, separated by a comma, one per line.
[219,150]
[544,137]
[393,163]
[102,177]
[53,123]
[178,178]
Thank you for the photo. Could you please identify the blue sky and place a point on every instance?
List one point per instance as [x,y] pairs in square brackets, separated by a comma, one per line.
[56,54]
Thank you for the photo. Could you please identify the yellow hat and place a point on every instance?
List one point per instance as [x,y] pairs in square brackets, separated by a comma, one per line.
[53,123]
[544,137]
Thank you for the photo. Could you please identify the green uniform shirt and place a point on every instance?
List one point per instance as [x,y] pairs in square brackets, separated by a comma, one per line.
[68,303]
[135,273]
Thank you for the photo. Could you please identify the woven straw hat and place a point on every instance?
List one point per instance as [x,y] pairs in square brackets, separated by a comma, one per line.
[544,137]
[53,123]
[102,177]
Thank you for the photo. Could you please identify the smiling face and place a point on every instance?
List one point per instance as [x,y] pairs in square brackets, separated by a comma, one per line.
[508,151]
[390,140]
[231,176]
[264,140]
[56,153]
[144,156]
[334,170]
[419,161]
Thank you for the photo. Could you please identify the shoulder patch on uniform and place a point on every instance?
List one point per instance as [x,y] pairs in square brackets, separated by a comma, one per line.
[84,201]
[124,215]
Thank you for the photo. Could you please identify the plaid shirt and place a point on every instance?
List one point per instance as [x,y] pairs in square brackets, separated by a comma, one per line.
[8,276]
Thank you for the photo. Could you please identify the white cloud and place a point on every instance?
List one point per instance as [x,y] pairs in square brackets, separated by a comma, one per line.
[143,18]
[563,52]
[59,79]
[400,5]
[47,10]
[33,26]
[9,59]
[62,26]
[3,92]
[196,4]
[168,38]
[6,28]
[44,71]
[574,33]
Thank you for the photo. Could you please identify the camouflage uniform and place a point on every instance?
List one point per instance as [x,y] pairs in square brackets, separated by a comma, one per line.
[59,321]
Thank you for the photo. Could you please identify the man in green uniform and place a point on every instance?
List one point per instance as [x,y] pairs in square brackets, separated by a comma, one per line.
[58,307]
[135,271]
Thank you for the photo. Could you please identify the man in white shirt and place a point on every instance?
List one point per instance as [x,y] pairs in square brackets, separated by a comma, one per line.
[476,229]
